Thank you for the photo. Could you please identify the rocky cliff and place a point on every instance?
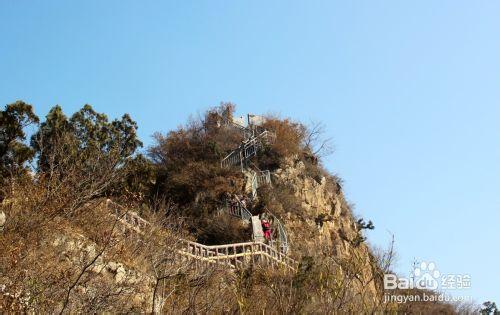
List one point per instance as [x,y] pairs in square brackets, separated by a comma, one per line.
[324,227]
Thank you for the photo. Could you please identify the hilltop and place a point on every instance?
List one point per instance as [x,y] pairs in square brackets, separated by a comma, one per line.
[223,214]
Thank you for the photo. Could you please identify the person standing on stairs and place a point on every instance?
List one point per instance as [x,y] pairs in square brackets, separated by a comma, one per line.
[266,228]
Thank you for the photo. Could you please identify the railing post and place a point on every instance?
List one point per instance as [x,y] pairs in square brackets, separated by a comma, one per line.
[217,256]
[234,255]
[196,262]
[252,250]
[241,160]
[228,262]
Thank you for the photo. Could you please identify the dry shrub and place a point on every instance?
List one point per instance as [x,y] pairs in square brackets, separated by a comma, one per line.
[200,183]
[222,229]
[57,240]
[188,162]
[189,173]
[290,135]
[289,142]
[330,284]
[54,263]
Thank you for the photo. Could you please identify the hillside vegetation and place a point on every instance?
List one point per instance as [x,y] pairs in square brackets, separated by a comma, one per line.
[64,250]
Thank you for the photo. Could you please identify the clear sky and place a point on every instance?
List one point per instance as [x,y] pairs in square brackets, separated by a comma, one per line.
[409,91]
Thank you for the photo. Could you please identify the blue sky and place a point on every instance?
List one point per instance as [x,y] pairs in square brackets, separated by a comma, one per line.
[409,91]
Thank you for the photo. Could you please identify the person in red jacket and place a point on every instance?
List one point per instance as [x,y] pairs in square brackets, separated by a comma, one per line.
[266,228]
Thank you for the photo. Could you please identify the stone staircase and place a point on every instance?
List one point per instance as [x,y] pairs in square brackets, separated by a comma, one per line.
[241,156]
[234,255]
[239,211]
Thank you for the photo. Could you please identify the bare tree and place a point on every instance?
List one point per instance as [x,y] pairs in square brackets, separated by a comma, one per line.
[315,140]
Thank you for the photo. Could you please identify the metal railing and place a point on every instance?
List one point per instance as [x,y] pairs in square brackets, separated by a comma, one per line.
[247,149]
[266,136]
[258,179]
[238,210]
[244,152]
[247,132]
[233,158]
[282,241]
[263,178]
[250,148]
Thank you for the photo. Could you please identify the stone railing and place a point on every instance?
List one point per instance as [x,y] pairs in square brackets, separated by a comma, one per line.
[235,255]
[238,255]
[128,218]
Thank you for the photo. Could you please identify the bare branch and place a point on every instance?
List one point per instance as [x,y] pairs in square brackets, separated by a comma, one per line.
[316,142]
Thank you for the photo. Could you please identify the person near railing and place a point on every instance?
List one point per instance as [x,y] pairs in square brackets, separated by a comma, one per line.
[266,228]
